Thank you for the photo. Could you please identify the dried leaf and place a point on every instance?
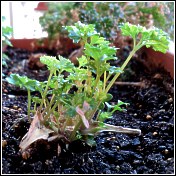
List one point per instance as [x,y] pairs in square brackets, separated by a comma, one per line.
[36,132]
[81,113]
[86,106]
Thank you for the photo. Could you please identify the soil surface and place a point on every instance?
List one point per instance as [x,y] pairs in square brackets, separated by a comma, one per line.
[151,110]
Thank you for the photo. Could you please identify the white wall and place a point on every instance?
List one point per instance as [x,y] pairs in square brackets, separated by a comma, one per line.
[22,17]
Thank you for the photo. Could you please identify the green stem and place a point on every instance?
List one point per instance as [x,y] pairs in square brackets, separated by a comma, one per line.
[29,104]
[73,134]
[50,104]
[51,110]
[96,82]
[93,113]
[122,68]
[104,85]
[45,92]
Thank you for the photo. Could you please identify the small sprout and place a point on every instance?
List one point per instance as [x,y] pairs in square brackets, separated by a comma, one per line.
[73,107]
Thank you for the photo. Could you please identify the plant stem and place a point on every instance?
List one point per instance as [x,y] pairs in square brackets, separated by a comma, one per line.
[45,92]
[104,85]
[122,68]
[72,136]
[51,110]
[29,104]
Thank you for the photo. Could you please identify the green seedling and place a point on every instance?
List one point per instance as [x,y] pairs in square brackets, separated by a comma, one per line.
[73,107]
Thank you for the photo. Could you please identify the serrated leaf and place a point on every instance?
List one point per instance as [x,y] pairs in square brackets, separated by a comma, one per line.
[36,99]
[82,61]
[23,81]
[80,31]
[117,107]
[50,61]
[154,37]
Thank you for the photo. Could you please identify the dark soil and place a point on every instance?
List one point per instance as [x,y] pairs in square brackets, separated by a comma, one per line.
[151,109]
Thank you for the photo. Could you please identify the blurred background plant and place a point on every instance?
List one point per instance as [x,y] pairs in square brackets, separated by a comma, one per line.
[107,15]
[6,34]
[158,14]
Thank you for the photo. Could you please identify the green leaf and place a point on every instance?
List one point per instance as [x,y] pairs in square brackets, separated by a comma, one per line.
[78,135]
[117,107]
[61,65]
[80,31]
[50,61]
[96,39]
[157,39]
[114,69]
[154,37]
[36,99]
[71,111]
[23,81]
[109,106]
[82,61]
[104,115]
[90,140]
[65,64]
[101,107]
[93,51]
[130,29]
[108,97]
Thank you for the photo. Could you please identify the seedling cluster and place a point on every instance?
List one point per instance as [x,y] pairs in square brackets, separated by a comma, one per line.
[73,107]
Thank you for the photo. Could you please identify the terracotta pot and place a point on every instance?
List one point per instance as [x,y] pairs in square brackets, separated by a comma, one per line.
[158,59]
[33,44]
[42,6]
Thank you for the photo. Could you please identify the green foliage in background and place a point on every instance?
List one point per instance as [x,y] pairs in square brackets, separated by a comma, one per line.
[6,33]
[106,16]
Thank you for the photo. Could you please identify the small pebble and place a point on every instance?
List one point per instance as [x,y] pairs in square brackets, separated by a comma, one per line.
[5,90]
[117,147]
[157,76]
[113,138]
[170,100]
[155,133]
[4,143]
[166,151]
[15,107]
[117,167]
[148,117]
[47,162]
[90,160]
[11,96]
[25,155]
[162,110]
[58,150]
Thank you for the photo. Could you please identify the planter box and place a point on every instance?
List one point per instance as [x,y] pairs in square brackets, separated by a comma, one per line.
[155,59]
[158,59]
[151,109]
[33,44]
